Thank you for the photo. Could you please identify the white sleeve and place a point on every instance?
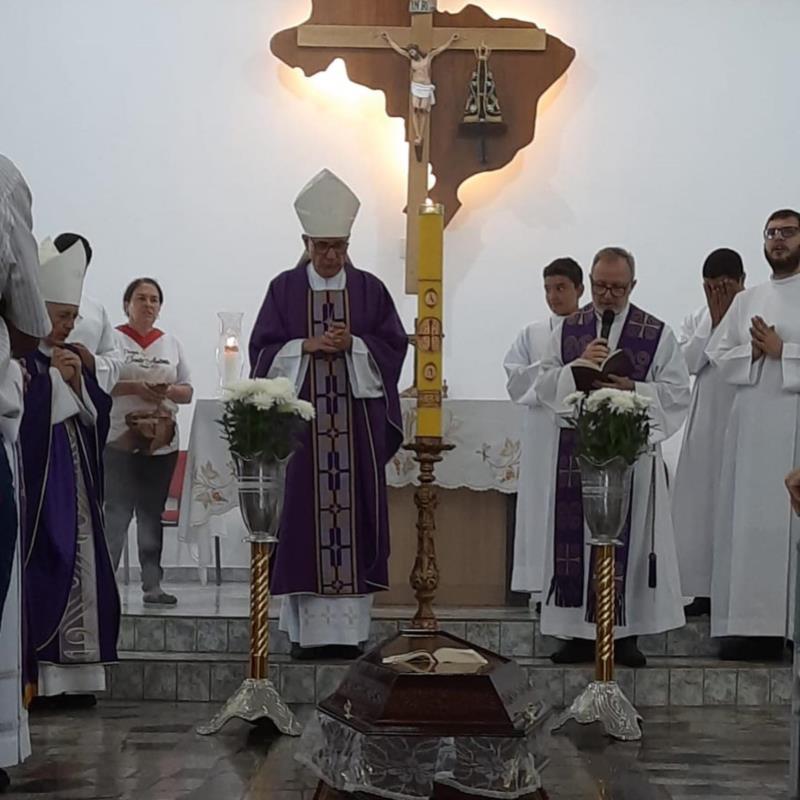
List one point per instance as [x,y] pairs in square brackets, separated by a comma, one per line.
[24,304]
[184,375]
[730,353]
[790,364]
[554,381]
[365,377]
[290,362]
[65,403]
[108,358]
[19,284]
[668,386]
[11,402]
[693,340]
[522,368]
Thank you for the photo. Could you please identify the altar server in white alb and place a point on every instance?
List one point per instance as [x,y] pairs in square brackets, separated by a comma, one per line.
[93,335]
[757,350]
[334,332]
[563,288]
[660,374]
[700,462]
[23,322]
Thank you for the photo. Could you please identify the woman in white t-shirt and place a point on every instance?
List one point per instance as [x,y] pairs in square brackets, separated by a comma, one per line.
[143,441]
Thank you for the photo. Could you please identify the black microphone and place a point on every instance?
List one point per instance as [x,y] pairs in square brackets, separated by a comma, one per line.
[608,321]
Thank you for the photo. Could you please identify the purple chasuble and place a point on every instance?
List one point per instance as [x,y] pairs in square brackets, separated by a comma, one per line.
[334,533]
[639,339]
[71,604]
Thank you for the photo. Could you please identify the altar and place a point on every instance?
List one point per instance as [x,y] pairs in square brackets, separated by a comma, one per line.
[477,484]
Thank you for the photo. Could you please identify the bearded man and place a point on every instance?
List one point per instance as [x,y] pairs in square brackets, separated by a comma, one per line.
[757,350]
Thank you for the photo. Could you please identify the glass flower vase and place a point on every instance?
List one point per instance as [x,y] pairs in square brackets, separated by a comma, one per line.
[606,497]
[261,484]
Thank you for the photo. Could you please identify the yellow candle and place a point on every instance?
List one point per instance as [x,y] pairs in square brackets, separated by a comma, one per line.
[429,319]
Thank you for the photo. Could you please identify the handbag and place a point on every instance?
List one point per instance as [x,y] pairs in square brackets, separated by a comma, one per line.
[148,431]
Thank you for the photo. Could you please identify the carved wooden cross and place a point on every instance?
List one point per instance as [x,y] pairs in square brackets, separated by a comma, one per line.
[354,42]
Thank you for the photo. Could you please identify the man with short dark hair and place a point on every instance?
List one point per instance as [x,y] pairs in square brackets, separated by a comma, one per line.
[757,350]
[563,287]
[700,462]
[659,372]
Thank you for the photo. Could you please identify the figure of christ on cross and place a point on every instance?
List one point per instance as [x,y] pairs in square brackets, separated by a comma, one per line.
[423,91]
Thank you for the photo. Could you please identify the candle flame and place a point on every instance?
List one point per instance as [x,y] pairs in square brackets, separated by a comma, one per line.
[231,344]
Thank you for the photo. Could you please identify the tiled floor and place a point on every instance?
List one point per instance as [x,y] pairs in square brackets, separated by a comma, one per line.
[149,751]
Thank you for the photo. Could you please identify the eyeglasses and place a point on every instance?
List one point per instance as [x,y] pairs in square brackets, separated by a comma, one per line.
[613,290]
[782,232]
[338,246]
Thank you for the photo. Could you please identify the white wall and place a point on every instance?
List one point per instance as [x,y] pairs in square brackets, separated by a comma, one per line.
[167,132]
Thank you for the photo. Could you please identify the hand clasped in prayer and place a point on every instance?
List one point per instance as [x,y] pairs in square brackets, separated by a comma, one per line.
[67,363]
[765,340]
[337,339]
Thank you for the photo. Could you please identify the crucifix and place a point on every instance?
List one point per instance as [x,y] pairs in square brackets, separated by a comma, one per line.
[423,38]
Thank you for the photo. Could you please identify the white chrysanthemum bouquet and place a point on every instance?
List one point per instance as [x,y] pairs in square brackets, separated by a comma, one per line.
[610,423]
[263,417]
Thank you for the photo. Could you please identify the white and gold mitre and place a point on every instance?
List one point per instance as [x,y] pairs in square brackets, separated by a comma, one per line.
[61,274]
[327,207]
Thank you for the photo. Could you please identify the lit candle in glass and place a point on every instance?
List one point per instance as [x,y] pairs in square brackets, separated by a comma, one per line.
[429,319]
[229,355]
[231,360]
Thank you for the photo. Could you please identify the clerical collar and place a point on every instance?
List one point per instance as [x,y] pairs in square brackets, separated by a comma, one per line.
[617,314]
[320,284]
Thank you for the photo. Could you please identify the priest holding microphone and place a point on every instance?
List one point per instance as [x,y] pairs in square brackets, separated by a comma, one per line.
[651,364]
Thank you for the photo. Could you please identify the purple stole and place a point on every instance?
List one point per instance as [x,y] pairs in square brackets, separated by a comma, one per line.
[639,339]
[332,440]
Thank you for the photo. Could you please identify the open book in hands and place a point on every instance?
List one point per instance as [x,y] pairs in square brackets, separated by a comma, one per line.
[586,373]
[445,660]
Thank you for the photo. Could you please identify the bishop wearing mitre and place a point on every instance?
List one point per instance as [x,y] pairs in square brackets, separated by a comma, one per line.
[333,330]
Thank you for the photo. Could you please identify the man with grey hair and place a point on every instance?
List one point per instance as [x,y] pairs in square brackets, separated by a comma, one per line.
[658,371]
[23,321]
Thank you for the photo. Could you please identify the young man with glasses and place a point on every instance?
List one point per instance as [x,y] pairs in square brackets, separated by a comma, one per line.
[700,462]
[658,370]
[334,332]
[563,288]
[757,350]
